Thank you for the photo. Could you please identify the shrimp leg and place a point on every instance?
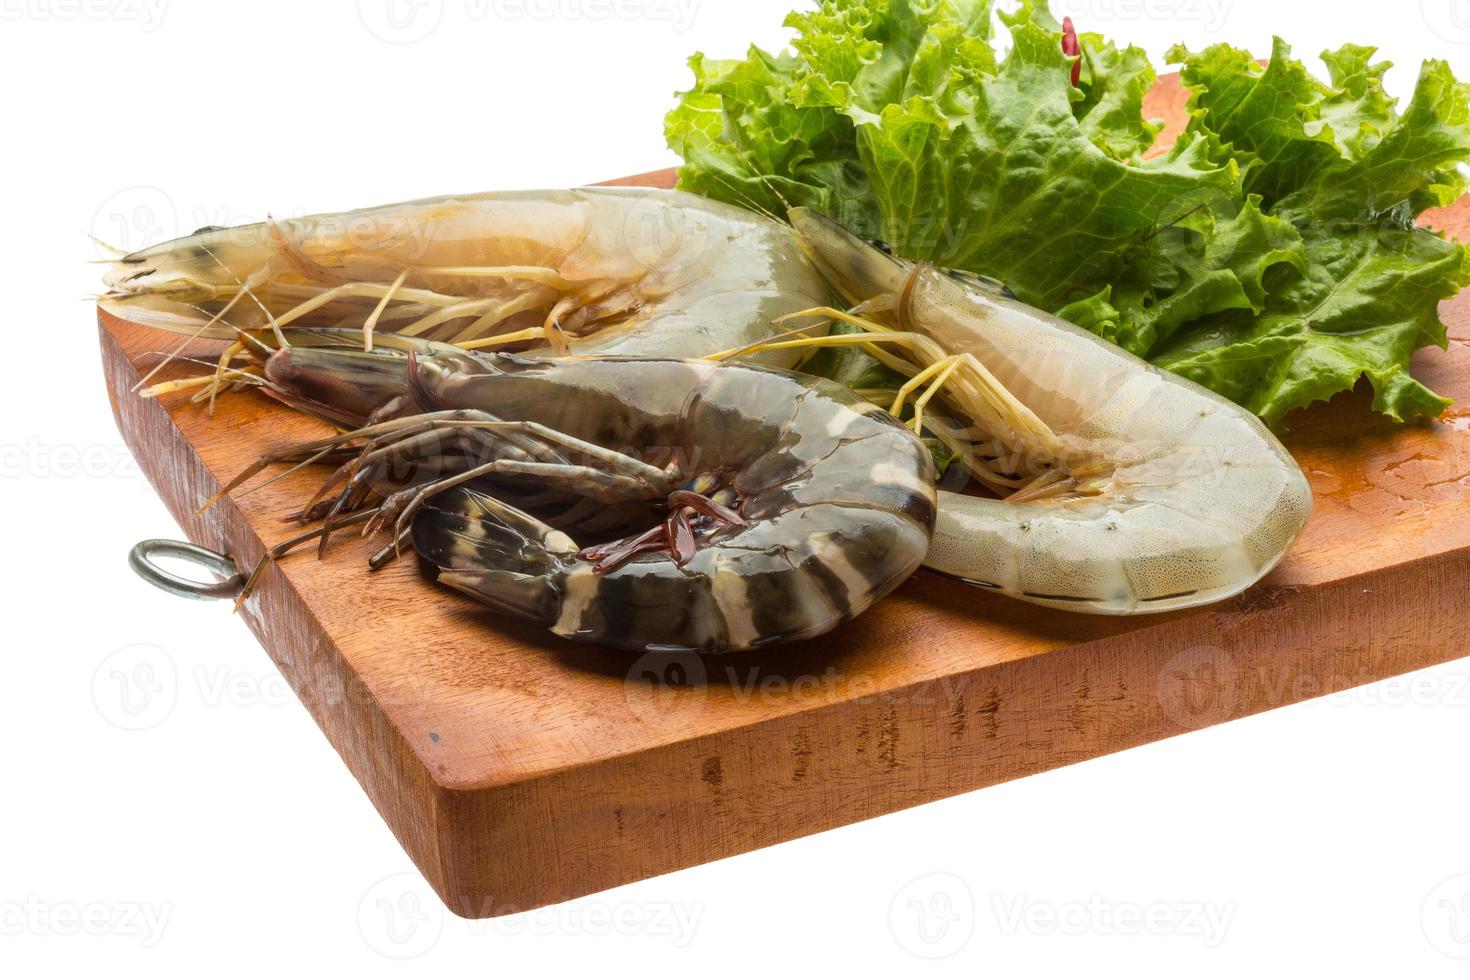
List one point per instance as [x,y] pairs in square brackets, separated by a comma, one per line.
[621,477]
[401,506]
[476,435]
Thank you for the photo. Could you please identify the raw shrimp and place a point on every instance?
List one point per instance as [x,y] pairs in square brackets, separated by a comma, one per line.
[1127,489]
[606,271]
[717,507]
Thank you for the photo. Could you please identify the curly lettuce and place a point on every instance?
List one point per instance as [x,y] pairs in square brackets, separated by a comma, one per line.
[1271,254]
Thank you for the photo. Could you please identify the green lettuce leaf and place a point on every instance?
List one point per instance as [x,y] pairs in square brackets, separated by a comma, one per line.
[1368,302]
[1340,165]
[1271,254]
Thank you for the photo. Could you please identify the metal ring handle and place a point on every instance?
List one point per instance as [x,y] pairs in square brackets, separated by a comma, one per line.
[227,587]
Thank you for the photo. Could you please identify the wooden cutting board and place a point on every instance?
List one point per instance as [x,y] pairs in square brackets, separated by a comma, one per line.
[519,770]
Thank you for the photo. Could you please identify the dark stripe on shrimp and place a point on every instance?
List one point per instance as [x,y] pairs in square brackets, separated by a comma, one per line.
[654,598]
[786,602]
[922,510]
[976,582]
[825,578]
[1059,598]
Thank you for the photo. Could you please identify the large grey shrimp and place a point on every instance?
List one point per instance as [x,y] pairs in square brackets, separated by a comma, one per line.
[638,503]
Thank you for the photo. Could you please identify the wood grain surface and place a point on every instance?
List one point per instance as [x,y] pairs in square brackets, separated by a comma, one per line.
[519,770]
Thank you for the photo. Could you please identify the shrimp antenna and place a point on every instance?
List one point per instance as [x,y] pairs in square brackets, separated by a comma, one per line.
[773,189]
[229,352]
[178,351]
[749,202]
[750,162]
[114,254]
[245,286]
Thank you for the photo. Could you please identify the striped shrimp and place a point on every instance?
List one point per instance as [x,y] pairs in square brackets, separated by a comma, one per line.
[606,271]
[715,507]
[1119,488]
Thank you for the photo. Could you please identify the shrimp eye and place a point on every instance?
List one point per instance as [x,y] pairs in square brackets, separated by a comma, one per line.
[881,246]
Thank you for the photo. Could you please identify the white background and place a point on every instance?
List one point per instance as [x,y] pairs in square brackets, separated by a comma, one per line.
[204,823]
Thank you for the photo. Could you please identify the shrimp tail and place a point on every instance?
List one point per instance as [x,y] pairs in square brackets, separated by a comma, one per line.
[495,553]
